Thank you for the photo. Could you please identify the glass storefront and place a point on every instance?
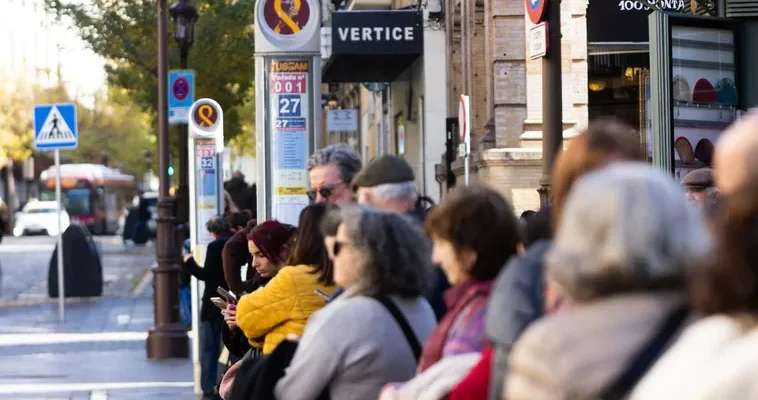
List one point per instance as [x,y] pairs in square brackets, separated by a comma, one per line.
[614,87]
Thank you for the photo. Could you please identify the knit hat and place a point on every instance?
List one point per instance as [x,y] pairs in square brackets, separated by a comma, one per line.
[270,237]
[698,180]
[383,170]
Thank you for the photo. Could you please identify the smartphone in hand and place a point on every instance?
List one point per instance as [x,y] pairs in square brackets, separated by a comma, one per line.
[229,296]
[323,295]
[219,302]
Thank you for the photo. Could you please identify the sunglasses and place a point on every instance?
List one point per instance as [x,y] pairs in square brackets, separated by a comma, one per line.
[325,191]
[337,247]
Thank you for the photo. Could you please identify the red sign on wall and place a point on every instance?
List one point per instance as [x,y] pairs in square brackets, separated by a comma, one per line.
[536,10]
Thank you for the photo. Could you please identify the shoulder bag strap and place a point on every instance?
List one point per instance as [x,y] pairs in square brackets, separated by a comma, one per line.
[403,323]
[646,357]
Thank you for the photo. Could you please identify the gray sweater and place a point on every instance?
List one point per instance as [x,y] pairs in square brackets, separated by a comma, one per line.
[355,347]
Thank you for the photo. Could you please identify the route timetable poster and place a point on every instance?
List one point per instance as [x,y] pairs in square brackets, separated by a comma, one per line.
[289,126]
[205,188]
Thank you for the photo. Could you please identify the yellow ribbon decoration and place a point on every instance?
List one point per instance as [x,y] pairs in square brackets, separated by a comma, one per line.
[205,112]
[285,17]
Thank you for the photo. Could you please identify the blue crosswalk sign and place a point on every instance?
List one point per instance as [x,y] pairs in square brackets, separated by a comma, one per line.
[55,127]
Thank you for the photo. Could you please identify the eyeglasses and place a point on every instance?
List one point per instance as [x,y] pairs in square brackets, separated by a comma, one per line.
[325,191]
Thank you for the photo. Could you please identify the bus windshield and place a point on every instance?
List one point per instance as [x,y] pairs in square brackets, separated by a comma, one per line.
[76,201]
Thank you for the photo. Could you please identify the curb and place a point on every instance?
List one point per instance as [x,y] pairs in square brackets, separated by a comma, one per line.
[144,282]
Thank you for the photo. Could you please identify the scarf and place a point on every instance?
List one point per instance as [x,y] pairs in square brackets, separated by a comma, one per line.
[456,298]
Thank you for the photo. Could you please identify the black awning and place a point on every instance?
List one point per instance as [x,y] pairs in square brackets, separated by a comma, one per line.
[366,67]
[373,46]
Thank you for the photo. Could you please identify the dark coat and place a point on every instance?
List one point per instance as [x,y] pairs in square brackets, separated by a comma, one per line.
[212,274]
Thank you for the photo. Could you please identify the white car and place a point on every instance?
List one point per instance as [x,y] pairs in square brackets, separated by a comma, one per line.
[40,217]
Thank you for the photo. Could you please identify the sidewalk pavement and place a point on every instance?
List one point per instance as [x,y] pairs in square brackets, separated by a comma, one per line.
[125,269]
[98,352]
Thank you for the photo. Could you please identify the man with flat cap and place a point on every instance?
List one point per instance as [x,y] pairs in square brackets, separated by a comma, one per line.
[388,183]
[700,187]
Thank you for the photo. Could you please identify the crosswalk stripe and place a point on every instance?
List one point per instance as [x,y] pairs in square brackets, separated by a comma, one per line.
[15,388]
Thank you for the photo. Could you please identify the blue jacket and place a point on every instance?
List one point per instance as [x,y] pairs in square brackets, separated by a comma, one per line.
[516,300]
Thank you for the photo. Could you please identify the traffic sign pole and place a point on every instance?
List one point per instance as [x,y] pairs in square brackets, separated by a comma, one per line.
[205,147]
[55,128]
[464,124]
[61,286]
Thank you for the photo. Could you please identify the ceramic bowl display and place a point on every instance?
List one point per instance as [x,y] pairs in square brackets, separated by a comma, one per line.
[704,92]
[684,150]
[726,92]
[681,89]
[704,151]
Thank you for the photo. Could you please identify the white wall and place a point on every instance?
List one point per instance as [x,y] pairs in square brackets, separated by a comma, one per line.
[435,108]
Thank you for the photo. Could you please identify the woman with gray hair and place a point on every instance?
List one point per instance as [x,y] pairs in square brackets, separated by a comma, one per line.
[625,246]
[373,333]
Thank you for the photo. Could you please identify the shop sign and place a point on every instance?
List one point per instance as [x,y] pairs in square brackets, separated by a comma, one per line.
[342,120]
[623,20]
[377,32]
[538,43]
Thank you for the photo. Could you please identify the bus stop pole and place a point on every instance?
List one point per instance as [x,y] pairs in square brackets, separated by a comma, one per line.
[61,289]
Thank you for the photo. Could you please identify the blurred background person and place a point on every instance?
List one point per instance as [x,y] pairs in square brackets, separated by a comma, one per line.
[715,357]
[283,306]
[331,170]
[624,248]
[474,232]
[388,183]
[355,345]
[243,195]
[211,319]
[518,298]
[701,191]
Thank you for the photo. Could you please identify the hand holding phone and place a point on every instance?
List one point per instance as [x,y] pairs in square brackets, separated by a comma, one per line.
[229,296]
[219,302]
[323,295]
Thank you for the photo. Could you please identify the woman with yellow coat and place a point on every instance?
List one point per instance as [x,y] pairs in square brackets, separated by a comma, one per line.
[283,306]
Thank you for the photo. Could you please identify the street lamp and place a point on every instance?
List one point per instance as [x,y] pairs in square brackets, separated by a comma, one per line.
[184,16]
[168,338]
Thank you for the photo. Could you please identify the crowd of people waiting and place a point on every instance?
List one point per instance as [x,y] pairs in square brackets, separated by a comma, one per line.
[629,285]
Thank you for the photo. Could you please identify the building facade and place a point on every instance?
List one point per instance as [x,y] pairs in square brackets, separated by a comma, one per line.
[480,48]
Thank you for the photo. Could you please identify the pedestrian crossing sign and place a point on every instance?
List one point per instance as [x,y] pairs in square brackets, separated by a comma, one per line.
[55,127]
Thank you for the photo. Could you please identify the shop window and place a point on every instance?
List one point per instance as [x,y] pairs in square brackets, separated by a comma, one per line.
[614,85]
[399,134]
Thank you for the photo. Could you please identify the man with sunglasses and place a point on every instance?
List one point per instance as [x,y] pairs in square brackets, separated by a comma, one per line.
[331,170]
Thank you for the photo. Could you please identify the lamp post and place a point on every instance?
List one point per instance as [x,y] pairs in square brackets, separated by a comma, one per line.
[184,16]
[552,100]
[168,338]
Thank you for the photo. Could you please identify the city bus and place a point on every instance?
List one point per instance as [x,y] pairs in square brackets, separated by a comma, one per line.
[93,195]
